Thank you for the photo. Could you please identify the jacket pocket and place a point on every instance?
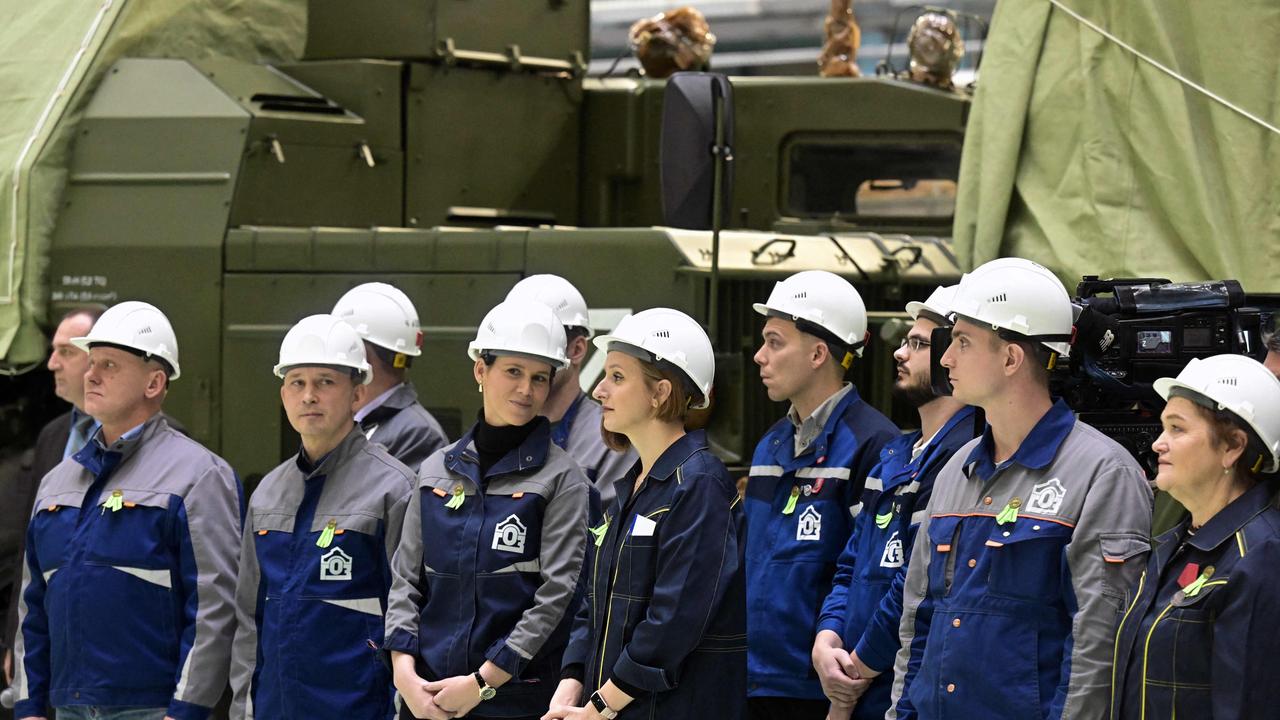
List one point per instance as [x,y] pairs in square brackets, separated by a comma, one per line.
[942,533]
[134,528]
[1123,556]
[1027,560]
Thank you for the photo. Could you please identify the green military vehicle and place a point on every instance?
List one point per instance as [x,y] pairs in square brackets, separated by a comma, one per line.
[452,147]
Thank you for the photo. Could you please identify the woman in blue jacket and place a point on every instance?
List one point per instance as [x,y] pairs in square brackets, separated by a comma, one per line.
[489,559]
[1199,638]
[663,633]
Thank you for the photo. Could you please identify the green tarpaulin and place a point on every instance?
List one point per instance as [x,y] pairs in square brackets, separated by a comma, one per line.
[52,54]
[1086,156]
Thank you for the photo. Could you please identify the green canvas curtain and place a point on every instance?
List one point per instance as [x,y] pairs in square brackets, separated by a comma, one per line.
[52,54]
[1087,157]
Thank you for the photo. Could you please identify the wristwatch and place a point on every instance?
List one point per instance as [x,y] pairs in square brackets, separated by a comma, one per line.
[602,707]
[487,691]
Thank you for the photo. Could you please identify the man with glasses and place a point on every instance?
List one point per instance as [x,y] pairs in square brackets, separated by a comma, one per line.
[806,477]
[858,627]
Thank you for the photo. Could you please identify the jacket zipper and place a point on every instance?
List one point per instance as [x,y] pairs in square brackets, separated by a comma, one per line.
[608,618]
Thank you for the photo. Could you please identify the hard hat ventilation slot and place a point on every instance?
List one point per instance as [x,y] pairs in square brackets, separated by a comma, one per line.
[144,330]
[662,333]
[1002,297]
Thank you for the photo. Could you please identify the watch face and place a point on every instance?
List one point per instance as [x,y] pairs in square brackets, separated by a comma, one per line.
[487,693]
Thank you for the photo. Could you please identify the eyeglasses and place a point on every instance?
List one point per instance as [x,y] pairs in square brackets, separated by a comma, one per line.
[916,343]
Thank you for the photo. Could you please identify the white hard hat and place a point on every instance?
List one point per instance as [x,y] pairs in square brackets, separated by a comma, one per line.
[521,328]
[1020,296]
[823,304]
[323,340]
[938,304]
[383,315]
[668,336]
[556,293]
[136,326]
[1240,385]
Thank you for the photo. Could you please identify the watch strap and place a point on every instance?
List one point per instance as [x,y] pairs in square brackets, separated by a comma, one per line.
[602,707]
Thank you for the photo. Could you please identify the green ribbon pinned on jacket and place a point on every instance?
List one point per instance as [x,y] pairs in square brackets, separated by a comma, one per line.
[790,507]
[1194,587]
[1009,513]
[326,535]
[882,521]
[599,532]
[115,502]
[455,502]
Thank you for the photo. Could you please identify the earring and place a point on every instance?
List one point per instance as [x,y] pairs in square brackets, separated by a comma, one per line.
[1226,471]
[480,387]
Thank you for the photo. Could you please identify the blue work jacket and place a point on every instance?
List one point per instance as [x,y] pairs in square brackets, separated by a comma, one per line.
[1018,576]
[1199,639]
[792,547]
[666,600]
[130,576]
[488,568]
[314,576]
[865,604]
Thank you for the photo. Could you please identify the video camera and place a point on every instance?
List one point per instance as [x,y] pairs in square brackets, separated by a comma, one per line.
[1131,331]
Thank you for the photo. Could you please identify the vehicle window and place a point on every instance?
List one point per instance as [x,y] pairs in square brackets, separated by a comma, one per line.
[871,176]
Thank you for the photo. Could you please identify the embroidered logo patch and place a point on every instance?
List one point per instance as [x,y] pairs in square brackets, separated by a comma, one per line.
[809,526]
[509,535]
[1046,498]
[335,565]
[892,556]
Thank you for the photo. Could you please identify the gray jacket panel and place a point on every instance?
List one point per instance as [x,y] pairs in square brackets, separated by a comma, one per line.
[404,428]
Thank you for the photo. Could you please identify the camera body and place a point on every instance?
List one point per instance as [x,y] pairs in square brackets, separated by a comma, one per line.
[1131,331]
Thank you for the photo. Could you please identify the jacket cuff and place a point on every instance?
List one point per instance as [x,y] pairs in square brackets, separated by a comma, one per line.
[832,624]
[640,677]
[635,692]
[31,707]
[573,671]
[401,641]
[179,710]
[506,657]
[880,660]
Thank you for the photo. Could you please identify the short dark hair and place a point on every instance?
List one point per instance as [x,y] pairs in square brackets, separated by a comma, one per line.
[571,332]
[93,312]
[675,408]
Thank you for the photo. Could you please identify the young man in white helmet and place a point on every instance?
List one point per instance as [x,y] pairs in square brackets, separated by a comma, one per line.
[1035,532]
[318,540]
[127,605]
[575,418]
[807,475]
[389,412]
[858,627]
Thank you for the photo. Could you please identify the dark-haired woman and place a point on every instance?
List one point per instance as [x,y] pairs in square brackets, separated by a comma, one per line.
[1200,639]
[489,559]
[663,634]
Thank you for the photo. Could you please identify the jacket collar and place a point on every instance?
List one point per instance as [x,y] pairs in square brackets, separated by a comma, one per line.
[1037,450]
[836,411]
[1231,519]
[99,459]
[530,455]
[668,462]
[349,445]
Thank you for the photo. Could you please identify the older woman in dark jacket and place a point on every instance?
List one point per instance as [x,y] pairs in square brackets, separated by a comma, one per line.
[1199,638]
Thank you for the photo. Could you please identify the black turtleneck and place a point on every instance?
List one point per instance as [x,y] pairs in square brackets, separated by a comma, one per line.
[493,443]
